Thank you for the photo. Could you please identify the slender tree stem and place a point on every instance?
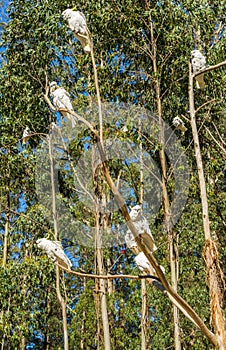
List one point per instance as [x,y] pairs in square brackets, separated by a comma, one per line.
[55,223]
[213,269]
[6,233]
[97,91]
[100,221]
[143,282]
[166,202]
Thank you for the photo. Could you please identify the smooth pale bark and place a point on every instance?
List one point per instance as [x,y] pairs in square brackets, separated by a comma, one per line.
[143,282]
[214,274]
[144,315]
[6,233]
[166,204]
[55,223]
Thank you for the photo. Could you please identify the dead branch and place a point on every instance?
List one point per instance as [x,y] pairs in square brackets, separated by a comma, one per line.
[219,145]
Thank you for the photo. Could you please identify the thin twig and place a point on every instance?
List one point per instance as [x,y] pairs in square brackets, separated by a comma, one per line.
[219,145]
[204,104]
[223,142]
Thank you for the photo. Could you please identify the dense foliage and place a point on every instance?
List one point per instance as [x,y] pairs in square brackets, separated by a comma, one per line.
[37,48]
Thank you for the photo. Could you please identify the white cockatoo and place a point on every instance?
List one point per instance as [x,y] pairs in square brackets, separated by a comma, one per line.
[130,240]
[53,126]
[198,62]
[54,251]
[179,124]
[144,265]
[61,99]
[26,135]
[142,226]
[142,262]
[77,23]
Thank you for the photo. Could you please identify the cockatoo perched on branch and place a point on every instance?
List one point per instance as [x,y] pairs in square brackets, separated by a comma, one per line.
[142,226]
[142,262]
[77,23]
[179,124]
[130,240]
[61,99]
[54,251]
[198,62]
[26,135]
[144,265]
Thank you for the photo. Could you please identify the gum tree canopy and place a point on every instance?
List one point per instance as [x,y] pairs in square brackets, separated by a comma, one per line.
[142,51]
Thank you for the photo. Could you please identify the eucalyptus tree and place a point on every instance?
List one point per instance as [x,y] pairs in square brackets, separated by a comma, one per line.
[142,50]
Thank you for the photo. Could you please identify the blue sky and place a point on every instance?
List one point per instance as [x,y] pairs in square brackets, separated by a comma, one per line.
[3,14]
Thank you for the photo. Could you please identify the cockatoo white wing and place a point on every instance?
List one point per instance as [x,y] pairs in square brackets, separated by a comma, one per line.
[77,23]
[54,251]
[142,226]
[66,102]
[198,62]
[61,99]
[26,135]
[179,124]
[61,257]
[130,240]
[144,265]
[56,95]
[142,262]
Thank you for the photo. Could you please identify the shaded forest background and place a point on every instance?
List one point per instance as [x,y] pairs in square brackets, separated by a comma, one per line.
[36,48]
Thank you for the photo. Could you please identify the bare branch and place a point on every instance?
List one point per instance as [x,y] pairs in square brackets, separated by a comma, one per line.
[219,145]
[223,142]
[106,277]
[204,104]
[221,64]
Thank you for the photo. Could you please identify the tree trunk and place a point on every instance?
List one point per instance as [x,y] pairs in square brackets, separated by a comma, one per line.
[4,259]
[82,341]
[110,283]
[174,278]
[166,204]
[97,307]
[6,233]
[101,224]
[46,342]
[55,222]
[102,286]
[143,282]
[144,316]
[214,274]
